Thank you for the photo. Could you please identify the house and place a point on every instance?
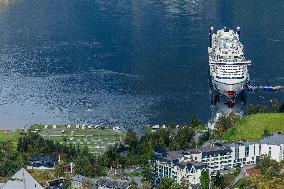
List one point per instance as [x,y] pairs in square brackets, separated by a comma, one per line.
[155,126]
[116,128]
[77,181]
[252,171]
[83,126]
[42,162]
[22,180]
[103,183]
[109,183]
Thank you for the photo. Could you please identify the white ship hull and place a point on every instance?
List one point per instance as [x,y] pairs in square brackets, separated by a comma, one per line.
[229,90]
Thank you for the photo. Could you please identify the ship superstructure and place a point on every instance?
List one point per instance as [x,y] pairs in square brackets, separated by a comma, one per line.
[228,65]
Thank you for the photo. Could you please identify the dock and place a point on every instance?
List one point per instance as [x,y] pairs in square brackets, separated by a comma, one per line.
[266,88]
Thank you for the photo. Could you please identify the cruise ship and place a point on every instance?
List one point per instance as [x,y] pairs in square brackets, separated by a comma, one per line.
[227,63]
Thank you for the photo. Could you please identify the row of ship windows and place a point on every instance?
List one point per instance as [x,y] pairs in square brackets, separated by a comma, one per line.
[229,77]
[230,73]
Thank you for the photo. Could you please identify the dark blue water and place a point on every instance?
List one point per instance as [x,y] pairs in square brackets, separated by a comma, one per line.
[125,62]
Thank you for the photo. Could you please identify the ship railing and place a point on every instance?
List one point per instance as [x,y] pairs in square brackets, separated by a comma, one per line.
[229,62]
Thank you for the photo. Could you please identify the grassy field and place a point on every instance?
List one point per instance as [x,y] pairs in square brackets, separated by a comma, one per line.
[12,136]
[96,139]
[251,127]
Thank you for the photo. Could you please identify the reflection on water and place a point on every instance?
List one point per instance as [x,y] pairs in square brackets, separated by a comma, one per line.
[126,63]
[222,106]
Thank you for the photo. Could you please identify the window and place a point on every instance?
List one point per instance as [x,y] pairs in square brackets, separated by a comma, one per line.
[246,151]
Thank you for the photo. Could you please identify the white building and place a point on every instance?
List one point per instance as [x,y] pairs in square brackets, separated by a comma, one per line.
[188,165]
[247,153]
[273,146]
[172,166]
[216,158]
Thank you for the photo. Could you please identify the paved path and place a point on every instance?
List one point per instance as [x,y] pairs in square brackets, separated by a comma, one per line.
[242,174]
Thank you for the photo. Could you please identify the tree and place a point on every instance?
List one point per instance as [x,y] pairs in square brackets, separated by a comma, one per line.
[166,183]
[275,105]
[219,180]
[270,168]
[131,138]
[195,121]
[184,139]
[224,123]
[60,169]
[254,109]
[147,185]
[204,138]
[266,132]
[205,179]
[87,184]
[182,185]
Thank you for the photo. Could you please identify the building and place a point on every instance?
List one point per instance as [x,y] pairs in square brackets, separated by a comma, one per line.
[22,180]
[273,146]
[247,153]
[252,171]
[42,162]
[216,158]
[188,165]
[78,181]
[109,183]
[188,171]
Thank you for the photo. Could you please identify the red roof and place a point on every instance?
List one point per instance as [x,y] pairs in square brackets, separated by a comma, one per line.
[253,171]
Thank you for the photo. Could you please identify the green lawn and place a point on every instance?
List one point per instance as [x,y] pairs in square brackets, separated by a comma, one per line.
[251,127]
[12,136]
[91,138]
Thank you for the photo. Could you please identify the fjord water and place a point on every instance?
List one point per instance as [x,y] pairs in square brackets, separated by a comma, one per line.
[125,62]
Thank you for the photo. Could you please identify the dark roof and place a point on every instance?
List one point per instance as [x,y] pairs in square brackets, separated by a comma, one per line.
[79,178]
[173,155]
[191,164]
[45,161]
[111,183]
[160,151]
[44,158]
[276,139]
[210,150]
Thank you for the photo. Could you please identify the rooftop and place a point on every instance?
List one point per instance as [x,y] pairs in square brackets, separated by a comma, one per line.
[112,183]
[209,149]
[189,164]
[275,138]
[253,171]
[22,180]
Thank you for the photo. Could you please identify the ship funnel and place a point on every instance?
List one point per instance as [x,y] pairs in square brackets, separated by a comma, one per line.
[210,35]
[239,31]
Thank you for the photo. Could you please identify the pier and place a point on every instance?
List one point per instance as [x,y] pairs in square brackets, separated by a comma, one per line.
[266,88]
